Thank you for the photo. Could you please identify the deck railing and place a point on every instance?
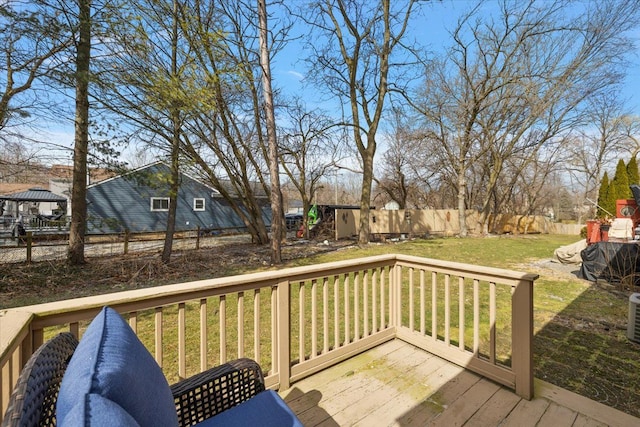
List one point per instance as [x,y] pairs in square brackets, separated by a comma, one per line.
[297,321]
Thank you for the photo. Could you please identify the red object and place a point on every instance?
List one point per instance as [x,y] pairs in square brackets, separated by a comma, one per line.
[593,231]
[628,208]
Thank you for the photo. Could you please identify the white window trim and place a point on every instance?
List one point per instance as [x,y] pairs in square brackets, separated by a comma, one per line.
[195,201]
[153,199]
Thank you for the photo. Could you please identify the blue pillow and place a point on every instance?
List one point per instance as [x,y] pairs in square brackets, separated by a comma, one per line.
[112,362]
[97,411]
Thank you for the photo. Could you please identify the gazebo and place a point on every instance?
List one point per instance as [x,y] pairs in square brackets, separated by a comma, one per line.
[11,211]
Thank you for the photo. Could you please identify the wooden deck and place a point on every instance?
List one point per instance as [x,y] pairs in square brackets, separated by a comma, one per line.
[397,384]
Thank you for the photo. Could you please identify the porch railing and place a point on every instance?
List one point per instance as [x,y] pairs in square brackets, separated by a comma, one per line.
[300,320]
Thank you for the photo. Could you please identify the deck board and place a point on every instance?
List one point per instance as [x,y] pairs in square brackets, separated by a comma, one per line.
[396,384]
[557,416]
[526,413]
[496,409]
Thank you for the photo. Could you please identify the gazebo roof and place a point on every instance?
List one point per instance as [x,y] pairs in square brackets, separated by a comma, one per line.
[34,195]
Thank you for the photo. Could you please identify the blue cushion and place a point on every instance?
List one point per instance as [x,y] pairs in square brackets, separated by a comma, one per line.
[112,362]
[266,409]
[97,411]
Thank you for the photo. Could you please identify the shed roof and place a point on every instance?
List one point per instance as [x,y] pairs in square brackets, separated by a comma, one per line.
[34,195]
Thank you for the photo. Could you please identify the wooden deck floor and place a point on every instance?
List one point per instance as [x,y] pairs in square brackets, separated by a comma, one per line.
[398,385]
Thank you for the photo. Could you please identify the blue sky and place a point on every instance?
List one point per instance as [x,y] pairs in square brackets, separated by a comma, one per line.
[432,30]
[431,27]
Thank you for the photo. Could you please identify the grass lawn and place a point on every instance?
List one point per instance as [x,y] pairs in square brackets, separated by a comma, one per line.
[580,342]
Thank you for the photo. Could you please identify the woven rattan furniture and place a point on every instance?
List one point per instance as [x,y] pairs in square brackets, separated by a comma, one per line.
[198,398]
[33,401]
[206,394]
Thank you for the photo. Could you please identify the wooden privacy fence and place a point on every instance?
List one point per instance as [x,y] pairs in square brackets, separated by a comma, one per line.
[300,320]
[420,222]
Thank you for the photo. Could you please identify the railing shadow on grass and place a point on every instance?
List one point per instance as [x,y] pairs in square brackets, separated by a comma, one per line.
[584,347]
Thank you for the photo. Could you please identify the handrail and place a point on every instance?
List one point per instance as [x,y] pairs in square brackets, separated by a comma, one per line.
[519,375]
[299,320]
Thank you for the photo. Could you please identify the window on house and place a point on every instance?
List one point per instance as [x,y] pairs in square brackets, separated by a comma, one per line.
[159,204]
[198,204]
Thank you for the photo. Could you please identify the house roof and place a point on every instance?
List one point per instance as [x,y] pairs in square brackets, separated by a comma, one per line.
[153,167]
[34,195]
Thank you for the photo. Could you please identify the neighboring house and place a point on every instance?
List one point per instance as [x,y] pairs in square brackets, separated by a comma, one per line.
[139,201]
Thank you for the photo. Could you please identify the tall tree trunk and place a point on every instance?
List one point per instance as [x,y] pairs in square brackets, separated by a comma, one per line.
[277,218]
[75,255]
[174,187]
[365,197]
[462,205]
[174,180]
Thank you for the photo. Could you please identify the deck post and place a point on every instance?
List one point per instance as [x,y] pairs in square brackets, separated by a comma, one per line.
[522,338]
[284,334]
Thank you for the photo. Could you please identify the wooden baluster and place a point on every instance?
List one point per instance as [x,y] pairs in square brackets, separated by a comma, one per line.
[158,336]
[222,316]
[302,322]
[240,324]
[182,325]
[204,339]
[256,325]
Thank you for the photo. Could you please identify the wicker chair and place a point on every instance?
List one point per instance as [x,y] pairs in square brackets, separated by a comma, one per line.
[33,401]
[206,394]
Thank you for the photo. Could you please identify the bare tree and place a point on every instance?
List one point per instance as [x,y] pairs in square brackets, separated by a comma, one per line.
[596,148]
[631,129]
[197,95]
[309,150]
[354,63]
[228,143]
[277,212]
[530,182]
[32,40]
[16,160]
[406,173]
[511,85]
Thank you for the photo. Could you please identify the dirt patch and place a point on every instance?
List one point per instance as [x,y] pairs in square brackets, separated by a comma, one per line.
[550,267]
[41,282]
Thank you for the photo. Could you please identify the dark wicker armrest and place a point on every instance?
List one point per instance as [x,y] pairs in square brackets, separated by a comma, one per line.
[208,393]
[33,401]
